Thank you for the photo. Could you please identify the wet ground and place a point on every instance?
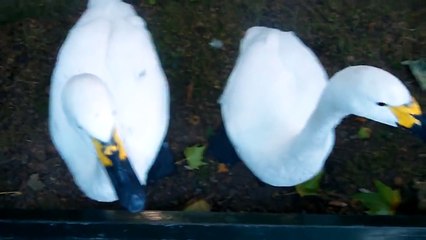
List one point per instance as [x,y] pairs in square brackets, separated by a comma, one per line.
[341,33]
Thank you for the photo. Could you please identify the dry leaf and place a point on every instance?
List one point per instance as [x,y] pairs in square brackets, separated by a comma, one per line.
[337,203]
[34,182]
[360,119]
[198,206]
[222,168]
[194,120]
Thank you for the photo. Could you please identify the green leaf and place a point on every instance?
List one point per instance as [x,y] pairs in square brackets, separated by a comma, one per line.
[194,156]
[364,133]
[391,197]
[152,2]
[374,202]
[383,202]
[418,69]
[310,187]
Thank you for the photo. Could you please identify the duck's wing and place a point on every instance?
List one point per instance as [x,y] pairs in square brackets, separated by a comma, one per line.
[274,85]
[140,91]
[271,93]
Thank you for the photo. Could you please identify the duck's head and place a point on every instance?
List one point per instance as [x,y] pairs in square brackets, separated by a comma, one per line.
[375,94]
[88,105]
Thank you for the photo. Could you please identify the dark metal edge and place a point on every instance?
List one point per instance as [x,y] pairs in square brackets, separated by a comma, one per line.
[97,224]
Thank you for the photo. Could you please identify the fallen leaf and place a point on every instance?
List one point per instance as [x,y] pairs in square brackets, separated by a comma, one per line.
[360,119]
[374,202]
[310,187]
[194,120]
[34,182]
[364,133]
[194,156]
[383,202]
[392,197]
[198,206]
[337,203]
[222,168]
[398,181]
[418,69]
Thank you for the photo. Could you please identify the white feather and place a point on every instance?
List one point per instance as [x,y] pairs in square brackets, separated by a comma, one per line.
[280,111]
[111,47]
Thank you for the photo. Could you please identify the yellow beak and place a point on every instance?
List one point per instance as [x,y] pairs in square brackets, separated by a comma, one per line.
[105,151]
[406,114]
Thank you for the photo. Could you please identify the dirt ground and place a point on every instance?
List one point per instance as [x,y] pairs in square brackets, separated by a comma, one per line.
[380,33]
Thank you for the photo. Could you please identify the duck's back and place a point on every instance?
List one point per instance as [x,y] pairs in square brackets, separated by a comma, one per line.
[108,38]
[274,87]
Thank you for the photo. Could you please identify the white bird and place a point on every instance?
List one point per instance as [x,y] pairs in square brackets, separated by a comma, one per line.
[280,111]
[109,103]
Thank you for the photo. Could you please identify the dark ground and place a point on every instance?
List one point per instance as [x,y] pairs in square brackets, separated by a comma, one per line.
[381,33]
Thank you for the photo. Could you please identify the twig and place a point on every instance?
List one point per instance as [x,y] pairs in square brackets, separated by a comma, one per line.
[15,193]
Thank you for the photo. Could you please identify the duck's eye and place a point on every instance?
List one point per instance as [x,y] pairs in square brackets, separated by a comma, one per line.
[381,104]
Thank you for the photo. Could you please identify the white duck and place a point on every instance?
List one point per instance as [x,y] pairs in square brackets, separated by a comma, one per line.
[280,111]
[109,103]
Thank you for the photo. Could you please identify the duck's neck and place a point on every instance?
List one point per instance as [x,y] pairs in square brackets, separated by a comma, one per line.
[306,154]
[318,130]
[312,146]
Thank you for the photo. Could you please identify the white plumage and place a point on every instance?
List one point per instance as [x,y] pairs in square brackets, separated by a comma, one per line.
[280,111]
[108,78]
